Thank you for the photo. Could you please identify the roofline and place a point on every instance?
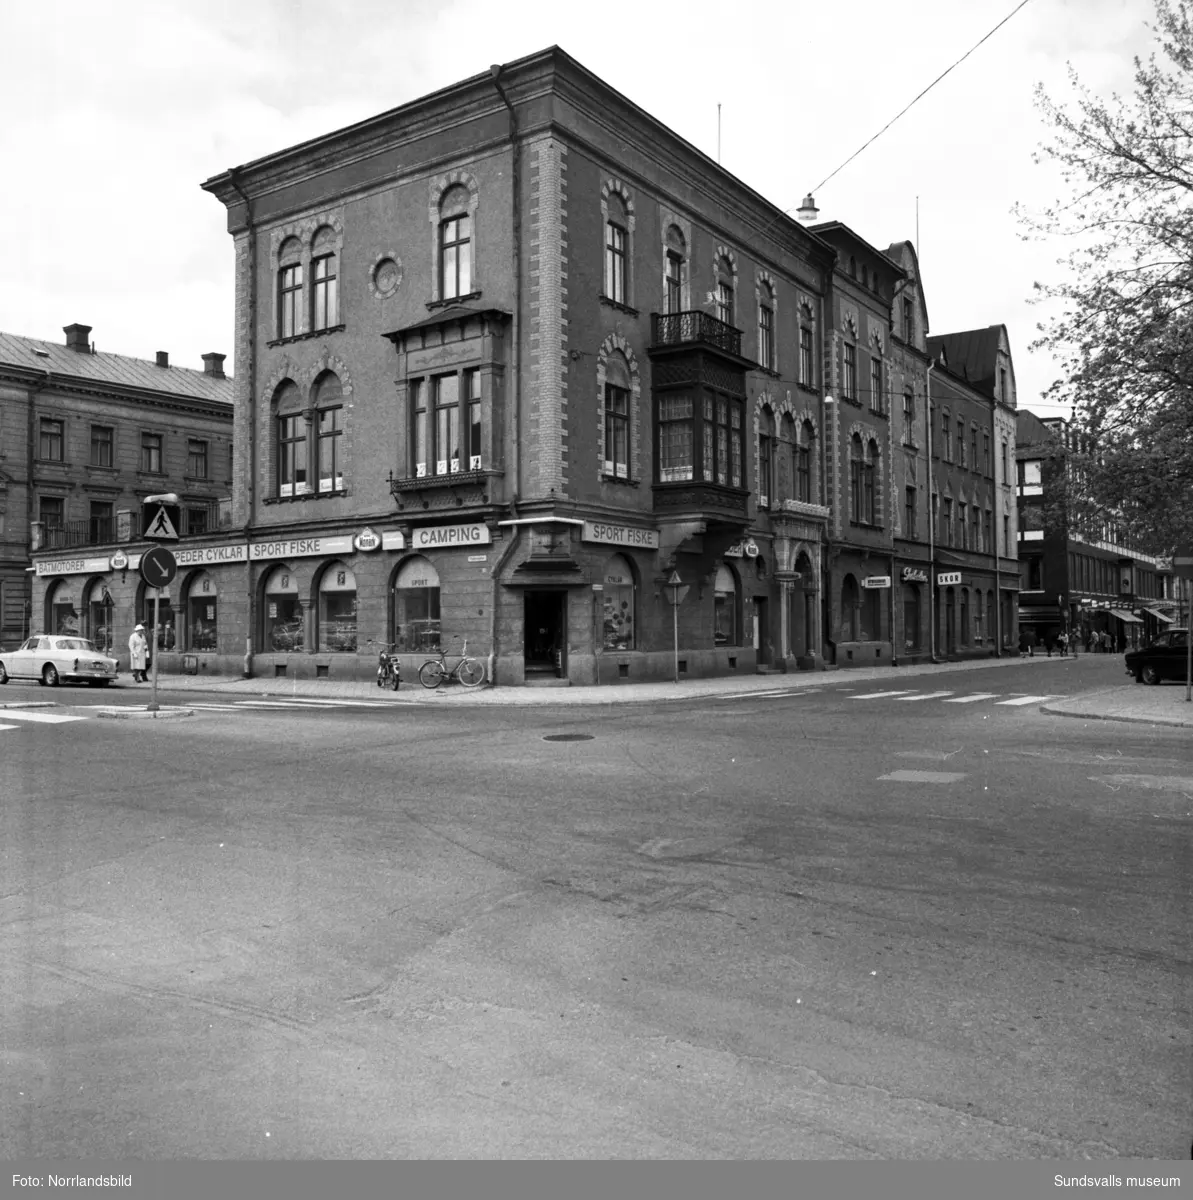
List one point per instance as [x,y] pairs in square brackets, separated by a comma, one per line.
[826,226]
[44,379]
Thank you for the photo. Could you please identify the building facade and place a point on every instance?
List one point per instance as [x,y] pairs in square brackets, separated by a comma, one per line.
[84,438]
[518,365]
[1080,582]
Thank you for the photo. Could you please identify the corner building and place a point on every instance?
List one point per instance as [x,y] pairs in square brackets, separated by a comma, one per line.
[507,357]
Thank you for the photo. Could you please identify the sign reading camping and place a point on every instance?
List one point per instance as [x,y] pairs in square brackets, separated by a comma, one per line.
[442,537]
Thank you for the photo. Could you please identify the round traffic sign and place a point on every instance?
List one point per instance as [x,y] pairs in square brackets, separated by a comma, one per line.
[158,567]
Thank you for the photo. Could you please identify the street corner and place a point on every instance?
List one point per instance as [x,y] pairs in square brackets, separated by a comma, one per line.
[136,712]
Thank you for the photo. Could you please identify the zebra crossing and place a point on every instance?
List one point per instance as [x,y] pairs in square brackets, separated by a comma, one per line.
[908,695]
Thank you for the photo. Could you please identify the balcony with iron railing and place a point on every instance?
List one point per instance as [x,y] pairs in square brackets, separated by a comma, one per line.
[197,520]
[694,328]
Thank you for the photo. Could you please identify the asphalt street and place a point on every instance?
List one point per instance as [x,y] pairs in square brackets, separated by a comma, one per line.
[856,921]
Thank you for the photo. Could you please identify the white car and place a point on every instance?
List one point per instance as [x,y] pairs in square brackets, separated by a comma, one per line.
[54,657]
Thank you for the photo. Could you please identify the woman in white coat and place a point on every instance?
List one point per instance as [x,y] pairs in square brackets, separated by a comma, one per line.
[138,654]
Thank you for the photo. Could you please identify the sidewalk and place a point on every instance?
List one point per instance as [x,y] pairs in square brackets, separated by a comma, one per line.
[1129,702]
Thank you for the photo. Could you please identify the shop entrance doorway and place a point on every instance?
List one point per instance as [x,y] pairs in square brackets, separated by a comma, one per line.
[544,634]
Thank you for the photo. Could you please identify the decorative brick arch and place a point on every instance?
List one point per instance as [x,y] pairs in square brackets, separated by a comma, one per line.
[438,187]
[615,187]
[327,362]
[849,323]
[869,434]
[669,219]
[615,343]
[303,231]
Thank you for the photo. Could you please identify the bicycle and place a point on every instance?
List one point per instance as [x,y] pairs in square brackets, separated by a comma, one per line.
[469,671]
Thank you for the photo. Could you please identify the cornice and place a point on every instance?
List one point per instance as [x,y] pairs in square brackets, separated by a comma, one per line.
[48,385]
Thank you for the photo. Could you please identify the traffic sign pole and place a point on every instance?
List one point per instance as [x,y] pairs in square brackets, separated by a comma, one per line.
[157,614]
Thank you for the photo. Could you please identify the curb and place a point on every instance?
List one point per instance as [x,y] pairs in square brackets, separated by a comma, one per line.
[30,704]
[132,714]
[1089,716]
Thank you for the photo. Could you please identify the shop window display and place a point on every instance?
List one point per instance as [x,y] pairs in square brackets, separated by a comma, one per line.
[416,625]
[726,619]
[284,630]
[618,601]
[337,610]
[203,614]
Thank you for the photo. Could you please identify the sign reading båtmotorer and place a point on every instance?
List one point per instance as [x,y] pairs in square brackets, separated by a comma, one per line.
[621,535]
[441,537]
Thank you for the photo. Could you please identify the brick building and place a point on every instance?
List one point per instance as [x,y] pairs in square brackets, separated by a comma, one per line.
[1081,581]
[513,356]
[84,437]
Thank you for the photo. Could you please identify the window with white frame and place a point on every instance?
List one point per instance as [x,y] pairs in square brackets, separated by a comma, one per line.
[325,296]
[674,267]
[290,288]
[725,297]
[617,239]
[807,361]
[455,243]
[849,371]
[617,416]
[766,457]
[766,326]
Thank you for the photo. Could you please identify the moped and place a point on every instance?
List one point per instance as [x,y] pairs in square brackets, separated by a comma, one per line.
[389,671]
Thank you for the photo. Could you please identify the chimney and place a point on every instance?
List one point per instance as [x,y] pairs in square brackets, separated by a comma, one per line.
[163,358]
[213,365]
[77,337]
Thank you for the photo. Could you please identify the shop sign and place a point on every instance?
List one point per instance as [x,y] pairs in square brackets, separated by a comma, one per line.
[914,575]
[73,566]
[948,578]
[445,536]
[876,581]
[300,547]
[192,556]
[620,535]
[747,548]
[478,558]
[366,540]
[120,561]
[393,539]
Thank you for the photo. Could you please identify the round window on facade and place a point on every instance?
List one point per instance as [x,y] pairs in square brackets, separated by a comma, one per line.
[726,611]
[337,610]
[416,607]
[202,614]
[618,599]
[283,614]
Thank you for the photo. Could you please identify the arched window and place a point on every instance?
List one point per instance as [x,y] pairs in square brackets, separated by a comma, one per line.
[766,326]
[291,438]
[674,270]
[806,456]
[618,600]
[849,609]
[337,610]
[766,457]
[617,416]
[455,243]
[616,250]
[725,289]
[325,295]
[415,623]
[202,614]
[726,610]
[852,267]
[290,283]
[328,398]
[283,620]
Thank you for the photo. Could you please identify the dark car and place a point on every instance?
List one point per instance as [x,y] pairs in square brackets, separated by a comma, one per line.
[1164,657]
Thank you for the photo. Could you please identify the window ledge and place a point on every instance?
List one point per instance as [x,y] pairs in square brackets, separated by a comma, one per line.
[851,400]
[51,462]
[866,525]
[304,496]
[303,337]
[197,479]
[625,308]
[607,478]
[810,388]
[151,474]
[464,299]
[880,412]
[768,371]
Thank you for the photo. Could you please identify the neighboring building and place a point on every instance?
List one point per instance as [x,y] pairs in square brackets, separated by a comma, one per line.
[84,438]
[1080,581]
[514,357]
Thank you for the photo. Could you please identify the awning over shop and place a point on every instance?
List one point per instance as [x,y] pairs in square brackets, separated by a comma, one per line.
[1127,618]
[1162,617]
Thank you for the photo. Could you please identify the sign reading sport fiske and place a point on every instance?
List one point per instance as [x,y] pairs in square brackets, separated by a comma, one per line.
[621,535]
[301,547]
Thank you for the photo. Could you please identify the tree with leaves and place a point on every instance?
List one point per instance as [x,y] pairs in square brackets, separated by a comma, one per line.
[1124,333]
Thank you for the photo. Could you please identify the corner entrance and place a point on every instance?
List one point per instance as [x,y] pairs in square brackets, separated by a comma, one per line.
[544,635]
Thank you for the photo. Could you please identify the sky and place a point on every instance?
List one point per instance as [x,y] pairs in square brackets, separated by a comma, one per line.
[117,111]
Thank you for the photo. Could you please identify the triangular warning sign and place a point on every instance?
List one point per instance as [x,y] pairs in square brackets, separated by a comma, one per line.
[162,527]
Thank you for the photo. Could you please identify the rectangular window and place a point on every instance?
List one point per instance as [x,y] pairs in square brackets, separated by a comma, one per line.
[973,447]
[196,521]
[617,432]
[325,293]
[289,300]
[765,461]
[151,453]
[196,458]
[975,528]
[418,426]
[807,374]
[961,442]
[101,445]
[292,456]
[946,523]
[1005,477]
[52,511]
[907,321]
[676,461]
[674,298]
[877,398]
[909,530]
[447,424]
[988,532]
[803,473]
[51,444]
[961,526]
[331,467]
[472,387]
[725,302]
[986,455]
[908,416]
[849,374]
[99,519]
[455,258]
[766,336]
[1006,534]
[946,438]
[615,262]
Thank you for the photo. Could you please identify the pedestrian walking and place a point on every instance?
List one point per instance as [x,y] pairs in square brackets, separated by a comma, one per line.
[1062,643]
[138,654]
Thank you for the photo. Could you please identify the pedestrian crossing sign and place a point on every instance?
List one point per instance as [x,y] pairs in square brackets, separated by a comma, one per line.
[161,522]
